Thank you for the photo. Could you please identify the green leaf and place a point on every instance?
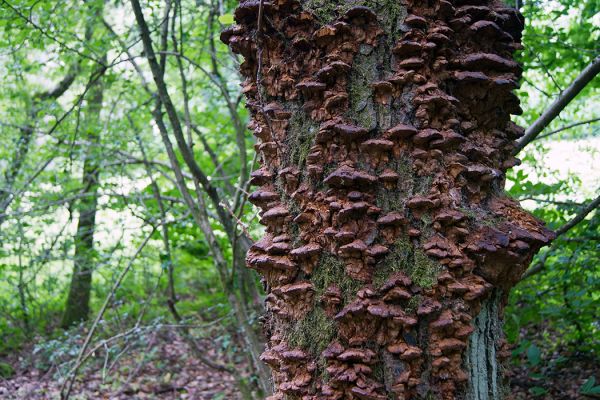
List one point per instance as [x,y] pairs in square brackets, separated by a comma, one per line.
[538,391]
[226,19]
[533,355]
[589,387]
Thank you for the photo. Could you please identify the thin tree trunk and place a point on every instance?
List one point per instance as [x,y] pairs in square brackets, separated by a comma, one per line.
[390,247]
[198,207]
[77,307]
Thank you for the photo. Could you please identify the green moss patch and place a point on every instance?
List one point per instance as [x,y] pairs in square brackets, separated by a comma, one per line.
[404,257]
[397,260]
[313,333]
[361,107]
[389,11]
[424,270]
[6,370]
[331,270]
[485,219]
[409,185]
[300,138]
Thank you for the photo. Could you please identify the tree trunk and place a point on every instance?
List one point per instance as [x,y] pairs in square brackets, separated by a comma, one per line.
[384,131]
[11,175]
[78,301]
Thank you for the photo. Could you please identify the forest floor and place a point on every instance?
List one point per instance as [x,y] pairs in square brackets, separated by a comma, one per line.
[554,380]
[165,368]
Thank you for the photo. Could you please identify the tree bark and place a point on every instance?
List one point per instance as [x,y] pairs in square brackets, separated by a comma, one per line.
[384,131]
[77,307]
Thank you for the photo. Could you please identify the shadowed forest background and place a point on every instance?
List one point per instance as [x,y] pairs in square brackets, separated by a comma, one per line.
[111,198]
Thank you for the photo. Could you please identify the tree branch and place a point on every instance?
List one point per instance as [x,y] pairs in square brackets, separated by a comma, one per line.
[579,217]
[539,266]
[165,99]
[559,104]
[564,128]
[49,36]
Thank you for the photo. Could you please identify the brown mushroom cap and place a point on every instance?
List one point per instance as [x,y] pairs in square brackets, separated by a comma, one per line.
[490,29]
[346,176]
[357,247]
[415,21]
[357,355]
[361,12]
[307,251]
[426,135]
[389,176]
[397,293]
[262,197]
[407,48]
[332,70]
[261,176]
[294,289]
[401,131]
[377,145]
[247,10]
[310,86]
[377,250]
[392,219]
[412,63]
[275,213]
[478,61]
[420,202]
[451,344]
[266,262]
[350,132]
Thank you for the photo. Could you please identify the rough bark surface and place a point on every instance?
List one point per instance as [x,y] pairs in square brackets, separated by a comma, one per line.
[384,131]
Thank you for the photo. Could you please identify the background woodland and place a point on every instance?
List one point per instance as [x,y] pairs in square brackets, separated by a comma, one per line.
[147,203]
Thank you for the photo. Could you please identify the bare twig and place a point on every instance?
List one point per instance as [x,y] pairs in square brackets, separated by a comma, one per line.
[564,128]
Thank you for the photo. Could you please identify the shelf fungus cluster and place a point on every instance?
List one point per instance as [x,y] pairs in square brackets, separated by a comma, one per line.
[384,132]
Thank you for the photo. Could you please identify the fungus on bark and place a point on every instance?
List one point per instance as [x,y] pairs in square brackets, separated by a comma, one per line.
[412,104]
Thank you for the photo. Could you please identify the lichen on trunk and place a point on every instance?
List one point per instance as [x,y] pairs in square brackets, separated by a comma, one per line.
[384,133]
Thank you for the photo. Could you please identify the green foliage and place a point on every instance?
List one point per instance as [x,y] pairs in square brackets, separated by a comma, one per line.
[38,232]
[556,309]
[226,19]
[590,388]
[6,370]
[550,311]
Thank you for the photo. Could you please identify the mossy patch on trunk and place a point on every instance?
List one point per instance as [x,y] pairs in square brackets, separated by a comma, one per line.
[313,333]
[331,271]
[404,257]
[389,11]
[300,137]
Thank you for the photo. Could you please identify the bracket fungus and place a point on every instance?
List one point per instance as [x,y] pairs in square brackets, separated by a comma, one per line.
[382,124]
